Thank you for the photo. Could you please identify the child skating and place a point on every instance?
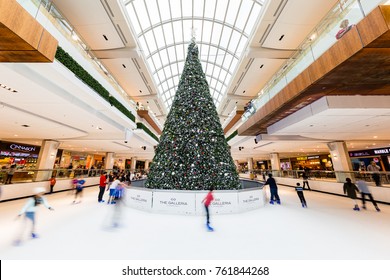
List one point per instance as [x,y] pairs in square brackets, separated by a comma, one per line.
[29,211]
[299,190]
[206,201]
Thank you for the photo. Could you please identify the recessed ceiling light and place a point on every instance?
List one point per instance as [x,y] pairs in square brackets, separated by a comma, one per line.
[16,135]
[8,88]
[375,137]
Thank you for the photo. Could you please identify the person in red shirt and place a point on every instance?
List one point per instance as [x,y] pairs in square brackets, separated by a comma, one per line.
[206,201]
[102,186]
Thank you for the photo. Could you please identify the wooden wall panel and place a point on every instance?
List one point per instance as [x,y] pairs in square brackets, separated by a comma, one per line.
[47,45]
[372,26]
[343,49]
[23,39]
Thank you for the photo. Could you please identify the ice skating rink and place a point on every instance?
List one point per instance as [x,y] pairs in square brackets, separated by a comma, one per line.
[327,230]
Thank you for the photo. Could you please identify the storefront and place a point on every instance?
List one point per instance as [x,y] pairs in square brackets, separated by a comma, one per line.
[361,159]
[316,162]
[24,156]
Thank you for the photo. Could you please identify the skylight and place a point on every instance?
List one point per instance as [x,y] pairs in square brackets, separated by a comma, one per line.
[165,27]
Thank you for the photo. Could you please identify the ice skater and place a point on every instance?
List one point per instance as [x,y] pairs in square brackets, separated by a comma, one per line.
[305,178]
[350,189]
[299,190]
[29,211]
[273,189]
[364,190]
[79,190]
[207,201]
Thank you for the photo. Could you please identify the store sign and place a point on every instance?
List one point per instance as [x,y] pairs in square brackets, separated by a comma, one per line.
[313,157]
[384,151]
[301,158]
[18,147]
[359,154]
[381,151]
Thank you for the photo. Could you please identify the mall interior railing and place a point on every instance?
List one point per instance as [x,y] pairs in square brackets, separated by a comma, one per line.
[39,175]
[325,175]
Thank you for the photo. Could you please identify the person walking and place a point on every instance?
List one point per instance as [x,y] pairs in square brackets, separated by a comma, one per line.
[299,191]
[350,189]
[273,189]
[375,173]
[29,211]
[365,191]
[10,174]
[206,202]
[52,183]
[102,186]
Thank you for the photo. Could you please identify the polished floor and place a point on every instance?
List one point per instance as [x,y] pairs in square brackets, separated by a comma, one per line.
[327,230]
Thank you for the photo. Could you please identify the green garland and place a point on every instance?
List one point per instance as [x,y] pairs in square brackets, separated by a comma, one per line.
[231,136]
[147,130]
[68,61]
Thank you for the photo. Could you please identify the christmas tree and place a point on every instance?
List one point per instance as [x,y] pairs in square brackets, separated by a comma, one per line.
[193,153]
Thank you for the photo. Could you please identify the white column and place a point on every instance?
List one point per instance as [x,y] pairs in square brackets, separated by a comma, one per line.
[340,160]
[146,164]
[275,163]
[46,159]
[250,164]
[109,161]
[236,164]
[133,164]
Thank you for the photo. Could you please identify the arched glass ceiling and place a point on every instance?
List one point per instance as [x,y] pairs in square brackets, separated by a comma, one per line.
[164,30]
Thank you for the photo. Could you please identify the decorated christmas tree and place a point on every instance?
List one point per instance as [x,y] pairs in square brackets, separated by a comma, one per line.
[193,153]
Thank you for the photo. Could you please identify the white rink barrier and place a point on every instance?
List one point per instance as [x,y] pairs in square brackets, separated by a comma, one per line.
[190,202]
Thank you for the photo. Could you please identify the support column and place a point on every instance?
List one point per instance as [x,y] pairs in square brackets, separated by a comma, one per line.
[275,164]
[146,164]
[133,164]
[250,164]
[109,161]
[340,160]
[236,164]
[46,159]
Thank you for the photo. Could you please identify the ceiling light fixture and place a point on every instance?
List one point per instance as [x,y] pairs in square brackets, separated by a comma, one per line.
[8,88]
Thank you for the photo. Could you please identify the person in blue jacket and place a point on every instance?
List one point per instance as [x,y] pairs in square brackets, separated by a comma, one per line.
[273,189]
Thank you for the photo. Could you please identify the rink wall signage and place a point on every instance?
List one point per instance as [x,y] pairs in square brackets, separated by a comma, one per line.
[174,202]
[249,200]
[191,202]
[139,198]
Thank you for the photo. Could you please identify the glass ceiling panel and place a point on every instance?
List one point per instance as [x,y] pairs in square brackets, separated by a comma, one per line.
[164,29]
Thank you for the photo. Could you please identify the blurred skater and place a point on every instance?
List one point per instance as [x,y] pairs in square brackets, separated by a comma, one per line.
[273,189]
[364,190]
[299,191]
[206,201]
[350,189]
[79,190]
[29,211]
[119,202]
